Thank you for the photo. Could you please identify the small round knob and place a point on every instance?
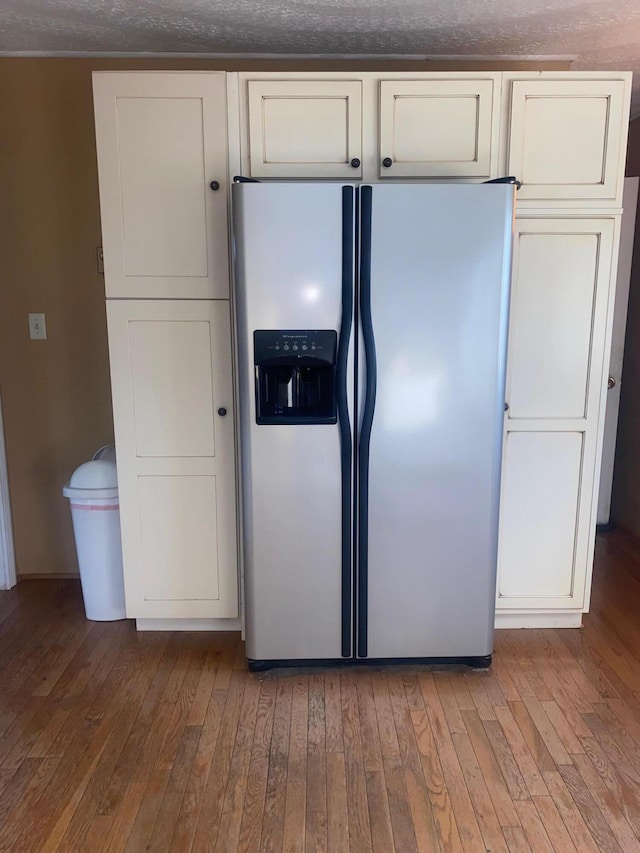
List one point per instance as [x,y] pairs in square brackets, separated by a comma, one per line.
[215,185]
[222,411]
[355,163]
[387,162]
[506,407]
[611,383]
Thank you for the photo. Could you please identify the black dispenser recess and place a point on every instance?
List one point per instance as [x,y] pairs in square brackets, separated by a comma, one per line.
[295,376]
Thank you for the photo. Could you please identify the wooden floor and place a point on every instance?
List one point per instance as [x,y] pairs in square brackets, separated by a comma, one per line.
[114,740]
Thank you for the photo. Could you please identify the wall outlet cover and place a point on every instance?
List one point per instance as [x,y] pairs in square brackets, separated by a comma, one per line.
[37,327]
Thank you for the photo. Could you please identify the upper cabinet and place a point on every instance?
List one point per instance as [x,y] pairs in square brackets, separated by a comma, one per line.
[567,136]
[305,128]
[367,126]
[562,134]
[162,165]
[445,128]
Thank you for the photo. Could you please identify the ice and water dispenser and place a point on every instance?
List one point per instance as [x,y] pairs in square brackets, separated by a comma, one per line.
[295,376]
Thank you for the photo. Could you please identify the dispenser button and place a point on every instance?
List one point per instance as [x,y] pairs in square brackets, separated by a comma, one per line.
[286,346]
[304,346]
[295,346]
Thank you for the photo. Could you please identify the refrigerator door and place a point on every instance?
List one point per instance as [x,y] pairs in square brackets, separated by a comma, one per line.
[439,288]
[294,278]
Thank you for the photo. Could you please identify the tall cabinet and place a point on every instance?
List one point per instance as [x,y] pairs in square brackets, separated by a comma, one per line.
[162,164]
[564,136]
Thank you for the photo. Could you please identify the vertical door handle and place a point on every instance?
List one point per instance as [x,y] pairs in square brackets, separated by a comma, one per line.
[344,427]
[366,202]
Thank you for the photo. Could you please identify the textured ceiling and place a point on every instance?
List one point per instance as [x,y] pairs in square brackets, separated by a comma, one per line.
[598,35]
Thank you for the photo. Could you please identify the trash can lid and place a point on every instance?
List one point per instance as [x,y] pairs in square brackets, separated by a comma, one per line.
[96,474]
[95,479]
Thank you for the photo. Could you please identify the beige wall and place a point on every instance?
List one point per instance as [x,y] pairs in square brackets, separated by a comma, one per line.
[625,499]
[55,393]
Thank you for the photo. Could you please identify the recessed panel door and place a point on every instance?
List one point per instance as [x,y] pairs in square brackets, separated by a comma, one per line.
[161,140]
[565,138]
[438,128]
[305,128]
[173,415]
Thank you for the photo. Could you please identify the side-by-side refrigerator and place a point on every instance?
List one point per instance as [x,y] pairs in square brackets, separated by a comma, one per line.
[372,330]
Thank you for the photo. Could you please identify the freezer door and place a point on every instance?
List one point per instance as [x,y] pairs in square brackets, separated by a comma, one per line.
[294,288]
[439,287]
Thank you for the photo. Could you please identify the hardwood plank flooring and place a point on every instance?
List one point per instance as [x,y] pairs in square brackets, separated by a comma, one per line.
[112,740]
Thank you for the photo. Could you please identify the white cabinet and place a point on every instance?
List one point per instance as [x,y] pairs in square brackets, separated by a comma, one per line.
[163,137]
[305,128]
[567,137]
[173,414]
[368,126]
[162,165]
[161,140]
[556,381]
[438,127]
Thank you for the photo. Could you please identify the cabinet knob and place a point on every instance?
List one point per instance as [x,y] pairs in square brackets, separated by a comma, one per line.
[222,411]
[355,163]
[214,185]
[387,162]
[506,407]
[611,383]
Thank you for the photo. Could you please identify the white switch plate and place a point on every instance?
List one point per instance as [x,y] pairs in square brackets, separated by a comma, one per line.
[37,327]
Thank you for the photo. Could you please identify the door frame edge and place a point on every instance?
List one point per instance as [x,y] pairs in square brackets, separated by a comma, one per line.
[8,578]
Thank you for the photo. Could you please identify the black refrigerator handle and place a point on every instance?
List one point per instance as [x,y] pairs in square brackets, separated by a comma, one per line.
[366,194]
[343,411]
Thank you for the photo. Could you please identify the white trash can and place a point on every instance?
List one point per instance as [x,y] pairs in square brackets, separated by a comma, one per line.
[95,512]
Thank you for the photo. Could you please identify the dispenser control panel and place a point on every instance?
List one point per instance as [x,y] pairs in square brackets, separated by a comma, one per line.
[290,343]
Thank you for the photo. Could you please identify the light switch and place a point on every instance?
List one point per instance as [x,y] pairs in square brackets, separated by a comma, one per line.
[37,327]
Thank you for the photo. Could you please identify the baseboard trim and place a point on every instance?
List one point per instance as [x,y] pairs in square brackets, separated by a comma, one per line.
[569,619]
[49,576]
[188,624]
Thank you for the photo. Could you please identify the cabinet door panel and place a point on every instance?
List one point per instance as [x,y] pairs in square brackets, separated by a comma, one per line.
[566,139]
[170,373]
[161,138]
[539,519]
[153,205]
[305,129]
[436,128]
[559,294]
[186,504]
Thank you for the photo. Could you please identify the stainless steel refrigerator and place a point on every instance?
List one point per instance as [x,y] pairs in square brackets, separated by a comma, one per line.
[371,332]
